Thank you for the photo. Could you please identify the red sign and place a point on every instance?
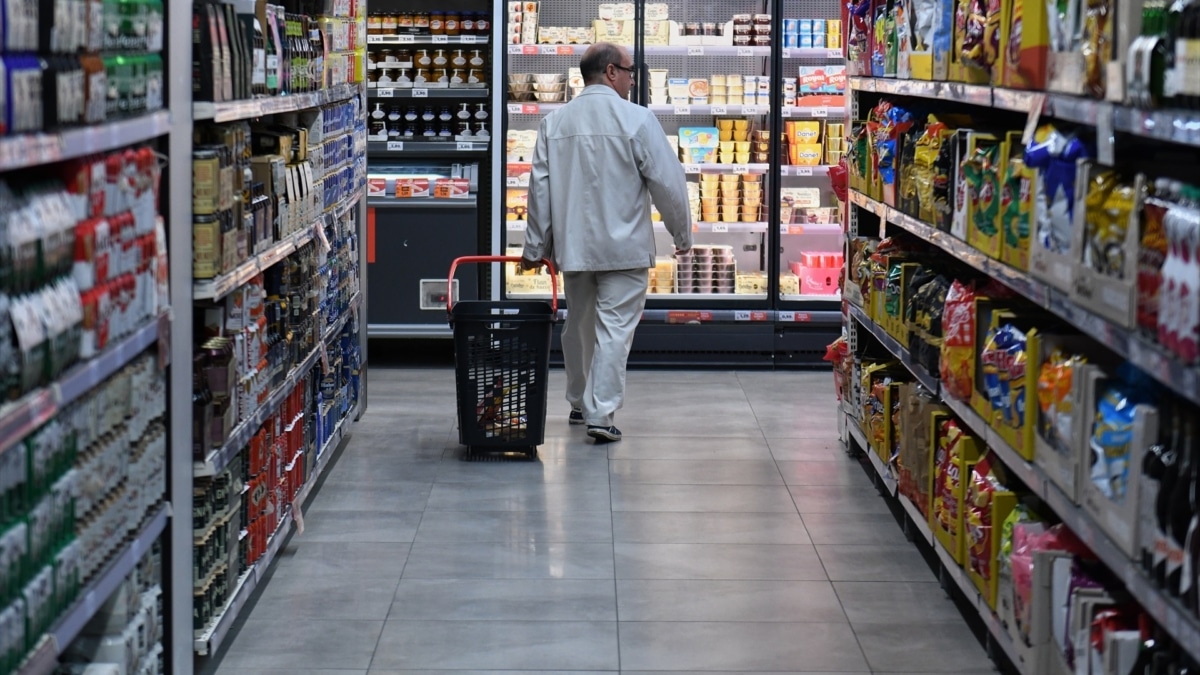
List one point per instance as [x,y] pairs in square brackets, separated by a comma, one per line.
[688,317]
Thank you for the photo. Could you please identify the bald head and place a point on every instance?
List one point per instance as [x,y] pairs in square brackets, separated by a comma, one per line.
[596,60]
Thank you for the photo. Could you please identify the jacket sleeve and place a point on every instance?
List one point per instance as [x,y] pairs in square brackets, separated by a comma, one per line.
[539,235]
[664,176]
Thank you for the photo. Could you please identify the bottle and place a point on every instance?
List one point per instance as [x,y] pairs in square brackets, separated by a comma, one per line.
[317,45]
[1182,508]
[226,56]
[240,66]
[1176,57]
[258,69]
[1162,506]
[271,49]
[285,54]
[1152,470]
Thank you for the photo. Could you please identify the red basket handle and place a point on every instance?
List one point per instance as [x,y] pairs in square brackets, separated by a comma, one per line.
[501,258]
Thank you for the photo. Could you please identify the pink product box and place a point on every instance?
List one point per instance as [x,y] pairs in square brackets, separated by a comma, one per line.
[819,272]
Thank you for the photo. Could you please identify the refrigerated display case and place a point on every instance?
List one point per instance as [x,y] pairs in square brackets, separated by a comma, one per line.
[430,117]
[713,74]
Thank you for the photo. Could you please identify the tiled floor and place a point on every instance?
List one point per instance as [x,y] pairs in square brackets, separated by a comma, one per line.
[727,532]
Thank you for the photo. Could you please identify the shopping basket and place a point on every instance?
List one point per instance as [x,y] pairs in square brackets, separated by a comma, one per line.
[501,365]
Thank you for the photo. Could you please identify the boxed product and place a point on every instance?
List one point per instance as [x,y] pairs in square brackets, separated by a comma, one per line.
[987,507]
[915,433]
[407,188]
[1028,45]
[955,452]
[1056,158]
[452,188]
[813,80]
[699,144]
[1062,375]
[1016,206]
[1106,243]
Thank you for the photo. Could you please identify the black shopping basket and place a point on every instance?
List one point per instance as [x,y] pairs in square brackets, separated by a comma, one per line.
[501,364]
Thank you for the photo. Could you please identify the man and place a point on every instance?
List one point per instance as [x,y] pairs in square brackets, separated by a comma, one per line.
[598,162]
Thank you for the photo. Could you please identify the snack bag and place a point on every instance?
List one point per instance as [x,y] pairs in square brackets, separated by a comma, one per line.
[925,156]
[947,479]
[958,341]
[977,517]
[892,291]
[1054,155]
[1015,194]
[1108,204]
[1055,392]
[1152,253]
[1112,432]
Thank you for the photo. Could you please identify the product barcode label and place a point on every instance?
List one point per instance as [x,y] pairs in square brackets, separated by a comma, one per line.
[466,145]
[720,228]
[691,168]
[745,51]
[820,111]
[695,51]
[385,93]
[440,39]
[395,146]
[720,110]
[420,93]
[683,110]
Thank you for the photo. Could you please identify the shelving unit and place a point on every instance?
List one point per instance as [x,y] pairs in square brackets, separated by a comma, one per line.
[430,92]
[233,111]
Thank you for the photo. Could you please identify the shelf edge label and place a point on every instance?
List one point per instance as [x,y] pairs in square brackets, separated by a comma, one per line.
[420,93]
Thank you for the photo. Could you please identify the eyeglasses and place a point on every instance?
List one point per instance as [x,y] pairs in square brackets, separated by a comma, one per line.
[631,69]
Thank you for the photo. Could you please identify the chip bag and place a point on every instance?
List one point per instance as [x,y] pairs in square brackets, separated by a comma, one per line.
[1112,432]
[977,517]
[947,480]
[958,343]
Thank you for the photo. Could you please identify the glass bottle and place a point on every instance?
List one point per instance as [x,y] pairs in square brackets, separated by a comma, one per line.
[452,23]
[1162,505]
[1181,508]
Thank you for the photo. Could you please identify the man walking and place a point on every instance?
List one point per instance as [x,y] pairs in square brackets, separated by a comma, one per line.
[598,162]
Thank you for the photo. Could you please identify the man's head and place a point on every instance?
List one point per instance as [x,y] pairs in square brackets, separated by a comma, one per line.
[610,65]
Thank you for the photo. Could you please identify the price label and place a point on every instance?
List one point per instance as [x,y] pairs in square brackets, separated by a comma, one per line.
[787,317]
[441,39]
[529,50]
[691,168]
[786,111]
[547,50]
[820,111]
[514,108]
[745,51]
[466,145]
[833,54]
[720,110]
[530,109]
[741,169]
[795,229]
[750,110]
[420,93]
[787,53]
[515,49]
[516,225]
[395,146]
[720,228]
[385,93]
[683,110]
[467,39]
[374,39]
[741,315]
[803,170]
[695,51]
[512,181]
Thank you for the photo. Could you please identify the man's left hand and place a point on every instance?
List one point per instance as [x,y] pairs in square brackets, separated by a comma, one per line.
[527,264]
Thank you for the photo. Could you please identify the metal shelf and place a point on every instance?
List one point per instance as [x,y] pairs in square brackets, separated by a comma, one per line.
[19,418]
[812,111]
[1166,611]
[45,657]
[425,148]
[27,150]
[682,50]
[218,459]
[716,110]
[428,92]
[795,171]
[210,640]
[889,343]
[232,111]
[740,169]
[428,39]
[1151,358]
[702,228]
[219,287]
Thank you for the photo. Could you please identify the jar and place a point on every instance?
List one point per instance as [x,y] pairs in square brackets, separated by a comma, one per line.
[452,23]
[762,19]
[444,114]
[410,115]
[708,28]
[437,23]
[387,56]
[424,76]
[394,114]
[476,57]
[476,76]
[421,22]
[394,131]
[483,23]
[387,77]
[481,130]
[429,131]
[378,113]
[405,22]
[389,23]
[423,59]
[404,57]
[456,77]
[464,111]
[458,58]
[762,40]
[377,129]
[444,131]
[403,77]
[481,112]
[371,56]
[439,58]
[374,23]
[428,115]
[467,23]
[410,131]
[691,28]
[441,76]
[373,78]
[464,129]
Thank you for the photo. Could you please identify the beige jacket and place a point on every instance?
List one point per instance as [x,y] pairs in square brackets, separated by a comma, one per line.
[598,162]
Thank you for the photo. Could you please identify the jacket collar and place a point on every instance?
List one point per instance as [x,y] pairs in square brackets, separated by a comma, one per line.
[602,89]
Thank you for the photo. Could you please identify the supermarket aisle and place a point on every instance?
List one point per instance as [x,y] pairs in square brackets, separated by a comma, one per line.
[727,532]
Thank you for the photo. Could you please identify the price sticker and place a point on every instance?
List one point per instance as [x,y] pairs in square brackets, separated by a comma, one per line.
[466,145]
[691,168]
[820,111]
[467,39]
[741,169]
[803,170]
[745,51]
[420,93]
[512,181]
[720,110]
[720,228]
[529,50]
[787,317]
[695,51]
[787,53]
[516,225]
[547,50]
[406,39]
[833,54]
[786,111]
[683,110]
[530,109]
[395,146]
[750,110]
[741,315]
[514,108]
[374,39]
[385,93]
[515,49]
[441,39]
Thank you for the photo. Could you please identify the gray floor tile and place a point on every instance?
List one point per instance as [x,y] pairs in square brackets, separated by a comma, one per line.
[509,560]
[505,600]
[853,528]
[564,441]
[265,643]
[361,526]
[845,472]
[921,648]
[718,561]
[754,601]
[691,446]
[520,497]
[290,671]
[745,647]
[712,420]
[869,562]
[838,499]
[529,527]
[331,598]
[399,496]
[652,527]
[896,601]
[375,671]
[305,558]
[566,469]
[376,469]
[694,472]
[548,645]
[807,449]
[790,421]
[737,672]
[716,498]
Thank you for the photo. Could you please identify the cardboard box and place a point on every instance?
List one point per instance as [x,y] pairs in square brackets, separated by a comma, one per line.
[1026,62]
[916,435]
[1063,456]
[986,161]
[982,548]
[1113,297]
[452,188]
[949,489]
[1016,206]
[1055,268]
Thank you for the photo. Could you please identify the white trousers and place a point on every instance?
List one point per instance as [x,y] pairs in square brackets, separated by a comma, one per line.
[603,310]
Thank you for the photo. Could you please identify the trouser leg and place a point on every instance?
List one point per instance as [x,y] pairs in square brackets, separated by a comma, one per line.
[578,336]
[619,300]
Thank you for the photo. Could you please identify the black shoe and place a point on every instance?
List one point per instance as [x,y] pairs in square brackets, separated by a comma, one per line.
[576,416]
[604,434]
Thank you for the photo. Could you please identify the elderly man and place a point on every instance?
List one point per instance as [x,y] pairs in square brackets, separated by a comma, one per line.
[598,162]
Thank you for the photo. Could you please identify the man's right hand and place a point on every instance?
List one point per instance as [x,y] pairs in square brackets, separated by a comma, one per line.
[527,264]
[682,251]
